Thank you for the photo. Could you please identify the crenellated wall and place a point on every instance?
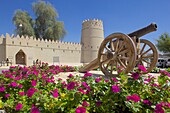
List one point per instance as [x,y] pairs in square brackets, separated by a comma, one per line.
[46,51]
[26,50]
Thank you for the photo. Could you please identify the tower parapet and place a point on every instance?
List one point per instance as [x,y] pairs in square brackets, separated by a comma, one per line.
[91,38]
[95,23]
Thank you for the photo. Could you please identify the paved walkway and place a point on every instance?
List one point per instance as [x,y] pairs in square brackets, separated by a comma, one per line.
[64,75]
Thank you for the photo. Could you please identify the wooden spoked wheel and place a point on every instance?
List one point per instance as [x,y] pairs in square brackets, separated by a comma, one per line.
[148,55]
[117,51]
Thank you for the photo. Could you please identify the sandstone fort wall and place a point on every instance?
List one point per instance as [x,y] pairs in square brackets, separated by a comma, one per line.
[26,50]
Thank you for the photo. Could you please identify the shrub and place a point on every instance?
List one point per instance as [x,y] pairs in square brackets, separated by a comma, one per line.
[34,89]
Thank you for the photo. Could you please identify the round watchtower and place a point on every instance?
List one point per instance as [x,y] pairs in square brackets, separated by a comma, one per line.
[91,38]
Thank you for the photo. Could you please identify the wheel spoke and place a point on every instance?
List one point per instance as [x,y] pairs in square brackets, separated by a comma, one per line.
[112,46]
[142,48]
[148,56]
[121,46]
[121,63]
[124,58]
[146,61]
[111,71]
[108,64]
[105,61]
[107,49]
[117,44]
[141,62]
[146,51]
[123,51]
[103,53]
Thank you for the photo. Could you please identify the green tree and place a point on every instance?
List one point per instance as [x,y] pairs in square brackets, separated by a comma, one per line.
[24,23]
[45,25]
[163,44]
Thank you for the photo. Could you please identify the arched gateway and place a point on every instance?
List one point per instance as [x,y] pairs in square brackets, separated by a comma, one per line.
[20,58]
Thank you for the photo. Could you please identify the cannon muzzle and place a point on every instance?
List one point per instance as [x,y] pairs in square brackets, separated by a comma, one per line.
[150,28]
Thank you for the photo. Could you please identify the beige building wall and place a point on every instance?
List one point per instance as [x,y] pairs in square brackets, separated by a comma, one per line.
[25,50]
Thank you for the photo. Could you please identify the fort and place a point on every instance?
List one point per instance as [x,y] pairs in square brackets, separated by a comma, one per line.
[26,50]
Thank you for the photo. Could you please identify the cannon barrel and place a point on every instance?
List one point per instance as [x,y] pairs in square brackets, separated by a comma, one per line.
[150,28]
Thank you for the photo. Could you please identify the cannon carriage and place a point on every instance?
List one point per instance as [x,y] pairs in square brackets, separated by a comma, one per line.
[125,51]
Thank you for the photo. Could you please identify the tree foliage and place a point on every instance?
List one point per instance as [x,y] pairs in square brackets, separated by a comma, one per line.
[45,25]
[163,44]
[24,23]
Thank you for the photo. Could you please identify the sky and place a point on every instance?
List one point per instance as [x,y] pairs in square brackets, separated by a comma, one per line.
[123,16]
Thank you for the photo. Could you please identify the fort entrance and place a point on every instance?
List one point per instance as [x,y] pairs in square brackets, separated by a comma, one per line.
[20,58]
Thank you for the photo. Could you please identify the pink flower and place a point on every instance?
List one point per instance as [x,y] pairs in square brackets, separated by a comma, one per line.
[20,86]
[135,76]
[18,106]
[55,93]
[147,102]
[115,89]
[21,93]
[98,79]
[87,75]
[48,80]
[84,84]
[71,85]
[159,109]
[35,72]
[85,104]
[142,68]
[59,79]
[133,97]
[98,103]
[114,79]
[146,81]
[31,91]
[7,95]
[81,90]
[154,85]
[34,109]
[106,80]
[34,82]
[164,72]
[13,84]
[80,110]
[70,75]
[2,89]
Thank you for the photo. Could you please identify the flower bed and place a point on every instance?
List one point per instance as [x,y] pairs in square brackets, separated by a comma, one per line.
[34,89]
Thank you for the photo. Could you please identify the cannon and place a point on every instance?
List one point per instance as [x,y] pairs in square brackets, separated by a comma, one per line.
[125,51]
